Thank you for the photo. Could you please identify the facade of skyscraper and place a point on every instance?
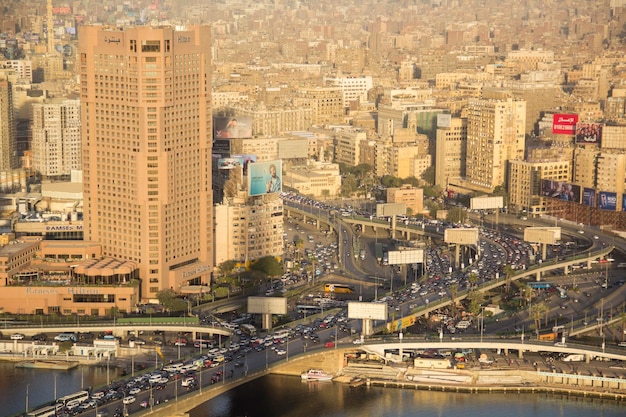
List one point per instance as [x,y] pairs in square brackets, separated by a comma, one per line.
[8,135]
[146,143]
[56,137]
[495,135]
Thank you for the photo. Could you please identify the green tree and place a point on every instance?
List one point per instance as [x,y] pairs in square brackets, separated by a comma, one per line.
[269,266]
[390,181]
[508,274]
[411,181]
[429,175]
[456,215]
[226,267]
[348,185]
[170,300]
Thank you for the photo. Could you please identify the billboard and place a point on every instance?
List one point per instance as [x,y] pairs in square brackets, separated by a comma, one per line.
[232,127]
[461,236]
[265,177]
[623,202]
[564,124]
[444,120]
[589,197]
[374,311]
[561,190]
[590,133]
[486,203]
[607,200]
[547,235]
[267,305]
[246,158]
[229,163]
[407,256]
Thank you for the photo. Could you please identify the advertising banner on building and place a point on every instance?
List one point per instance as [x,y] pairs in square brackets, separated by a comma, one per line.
[607,200]
[561,190]
[246,158]
[623,202]
[564,124]
[230,163]
[265,177]
[232,127]
[589,197]
[590,133]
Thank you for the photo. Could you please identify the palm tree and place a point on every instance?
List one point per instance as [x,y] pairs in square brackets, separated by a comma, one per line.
[454,289]
[508,273]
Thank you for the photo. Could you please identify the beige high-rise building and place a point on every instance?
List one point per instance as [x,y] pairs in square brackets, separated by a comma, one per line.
[495,135]
[146,141]
[451,150]
[249,231]
[56,137]
[8,135]
[524,184]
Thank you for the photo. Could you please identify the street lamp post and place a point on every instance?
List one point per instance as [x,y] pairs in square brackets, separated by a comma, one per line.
[482,323]
[27,385]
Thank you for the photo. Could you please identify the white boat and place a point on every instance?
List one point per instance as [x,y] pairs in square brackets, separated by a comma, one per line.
[316,375]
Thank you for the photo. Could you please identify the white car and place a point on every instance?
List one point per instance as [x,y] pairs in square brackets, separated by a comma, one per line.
[357,341]
[17,336]
[129,400]
[134,391]
[280,351]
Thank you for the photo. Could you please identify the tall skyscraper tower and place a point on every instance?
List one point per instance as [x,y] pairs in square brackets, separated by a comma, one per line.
[146,142]
[8,135]
[495,135]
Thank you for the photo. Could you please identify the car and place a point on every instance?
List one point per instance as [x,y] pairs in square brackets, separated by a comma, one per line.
[280,351]
[560,344]
[17,336]
[357,341]
[129,400]
[134,391]
[144,404]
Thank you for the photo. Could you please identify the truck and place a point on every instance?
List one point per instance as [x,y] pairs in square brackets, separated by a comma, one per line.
[574,357]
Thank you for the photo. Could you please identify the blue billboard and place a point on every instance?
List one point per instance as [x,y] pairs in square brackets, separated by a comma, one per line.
[589,197]
[265,177]
[607,200]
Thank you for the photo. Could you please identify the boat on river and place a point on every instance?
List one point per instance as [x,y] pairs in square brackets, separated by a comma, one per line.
[316,375]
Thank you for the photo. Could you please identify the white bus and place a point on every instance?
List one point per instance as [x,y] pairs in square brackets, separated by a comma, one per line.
[72,400]
[49,411]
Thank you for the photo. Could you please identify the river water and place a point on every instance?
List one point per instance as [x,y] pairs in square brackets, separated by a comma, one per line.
[284,396]
[41,385]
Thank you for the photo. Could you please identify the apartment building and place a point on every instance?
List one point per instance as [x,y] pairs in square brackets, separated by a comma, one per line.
[56,139]
[8,135]
[524,182]
[249,230]
[412,197]
[146,115]
[451,149]
[495,135]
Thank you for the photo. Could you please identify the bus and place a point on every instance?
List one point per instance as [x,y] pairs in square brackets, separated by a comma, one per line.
[49,411]
[248,330]
[539,285]
[72,400]
[339,288]
[203,343]
[308,310]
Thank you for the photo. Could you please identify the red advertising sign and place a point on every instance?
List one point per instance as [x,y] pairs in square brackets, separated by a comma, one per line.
[62,10]
[564,124]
